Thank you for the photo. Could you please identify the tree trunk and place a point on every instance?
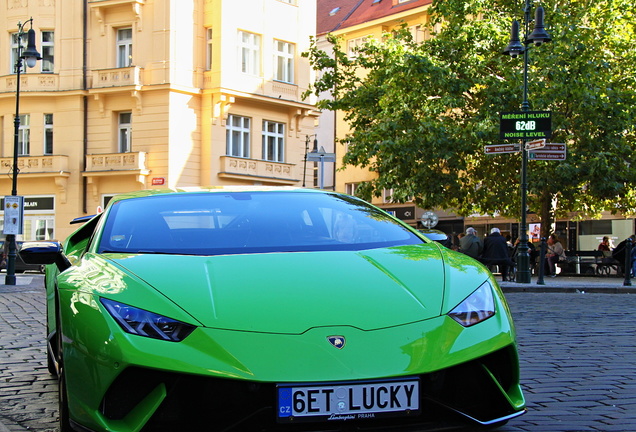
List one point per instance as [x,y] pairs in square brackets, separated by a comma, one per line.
[548,207]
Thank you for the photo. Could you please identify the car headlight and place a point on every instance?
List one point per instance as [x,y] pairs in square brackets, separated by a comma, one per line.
[477,307]
[144,323]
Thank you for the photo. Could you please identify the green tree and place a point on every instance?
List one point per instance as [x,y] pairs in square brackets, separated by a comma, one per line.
[421,113]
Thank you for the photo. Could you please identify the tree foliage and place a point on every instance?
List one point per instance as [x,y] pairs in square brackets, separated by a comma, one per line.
[421,113]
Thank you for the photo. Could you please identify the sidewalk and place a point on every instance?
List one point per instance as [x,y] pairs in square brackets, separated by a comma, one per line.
[572,284]
[563,284]
[24,281]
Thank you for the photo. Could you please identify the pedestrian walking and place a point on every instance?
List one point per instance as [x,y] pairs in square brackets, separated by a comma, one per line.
[496,252]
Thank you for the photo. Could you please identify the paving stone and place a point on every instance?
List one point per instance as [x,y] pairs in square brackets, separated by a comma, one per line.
[577,357]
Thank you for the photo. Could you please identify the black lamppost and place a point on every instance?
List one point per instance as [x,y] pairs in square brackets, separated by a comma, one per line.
[307,138]
[30,56]
[514,48]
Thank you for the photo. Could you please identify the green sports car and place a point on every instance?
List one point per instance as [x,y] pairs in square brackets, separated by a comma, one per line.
[238,309]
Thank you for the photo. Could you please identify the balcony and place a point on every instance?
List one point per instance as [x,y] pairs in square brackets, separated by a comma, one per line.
[118,77]
[54,167]
[116,163]
[37,166]
[258,170]
[30,82]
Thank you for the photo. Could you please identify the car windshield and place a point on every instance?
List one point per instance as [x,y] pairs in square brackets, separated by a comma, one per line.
[242,222]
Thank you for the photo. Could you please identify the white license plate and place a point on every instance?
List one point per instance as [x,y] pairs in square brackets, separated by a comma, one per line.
[348,401]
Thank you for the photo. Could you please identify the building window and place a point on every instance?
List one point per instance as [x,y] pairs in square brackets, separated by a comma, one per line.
[237,136]
[350,188]
[14,51]
[273,141]
[249,52]
[387,195]
[283,61]
[47,51]
[125,132]
[353,45]
[418,33]
[44,229]
[24,135]
[595,227]
[124,47]
[48,134]
[208,49]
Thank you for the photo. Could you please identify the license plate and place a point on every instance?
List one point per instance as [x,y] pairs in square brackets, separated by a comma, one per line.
[348,401]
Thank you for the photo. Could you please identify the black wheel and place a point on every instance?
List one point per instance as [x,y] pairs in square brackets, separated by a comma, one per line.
[63,415]
[51,364]
[54,343]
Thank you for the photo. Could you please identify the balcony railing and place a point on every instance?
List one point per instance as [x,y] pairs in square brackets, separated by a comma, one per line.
[40,165]
[109,162]
[118,77]
[30,82]
[260,170]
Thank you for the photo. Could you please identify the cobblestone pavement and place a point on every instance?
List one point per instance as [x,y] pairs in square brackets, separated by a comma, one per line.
[28,393]
[578,361]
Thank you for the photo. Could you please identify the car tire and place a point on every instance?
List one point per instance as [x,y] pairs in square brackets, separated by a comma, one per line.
[63,413]
[50,362]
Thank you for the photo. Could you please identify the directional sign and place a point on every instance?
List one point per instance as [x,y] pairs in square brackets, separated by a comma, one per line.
[525,125]
[536,144]
[542,155]
[321,156]
[555,147]
[502,148]
[551,151]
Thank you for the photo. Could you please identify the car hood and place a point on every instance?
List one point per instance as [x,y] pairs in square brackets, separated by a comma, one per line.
[294,292]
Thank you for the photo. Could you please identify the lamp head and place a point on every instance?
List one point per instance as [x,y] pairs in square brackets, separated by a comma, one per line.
[539,35]
[515,47]
[31,54]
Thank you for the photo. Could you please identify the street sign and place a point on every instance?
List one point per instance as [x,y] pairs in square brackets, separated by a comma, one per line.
[321,156]
[545,156]
[525,125]
[536,144]
[555,147]
[324,157]
[551,151]
[502,148]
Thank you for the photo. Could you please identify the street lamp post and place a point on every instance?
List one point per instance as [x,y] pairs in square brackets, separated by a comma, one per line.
[30,56]
[514,48]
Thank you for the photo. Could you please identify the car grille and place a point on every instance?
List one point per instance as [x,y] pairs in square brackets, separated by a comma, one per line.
[449,397]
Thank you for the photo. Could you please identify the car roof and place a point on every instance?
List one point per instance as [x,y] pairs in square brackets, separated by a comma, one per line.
[210,189]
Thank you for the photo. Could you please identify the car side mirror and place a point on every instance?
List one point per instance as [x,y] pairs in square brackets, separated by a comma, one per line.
[44,253]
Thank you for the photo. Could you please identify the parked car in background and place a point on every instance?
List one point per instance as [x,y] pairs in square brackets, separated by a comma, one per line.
[263,308]
[20,265]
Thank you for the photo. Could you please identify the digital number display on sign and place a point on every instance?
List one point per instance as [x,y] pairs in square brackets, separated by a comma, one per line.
[525,125]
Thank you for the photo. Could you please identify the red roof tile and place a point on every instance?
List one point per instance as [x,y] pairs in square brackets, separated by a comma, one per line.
[371,10]
[331,13]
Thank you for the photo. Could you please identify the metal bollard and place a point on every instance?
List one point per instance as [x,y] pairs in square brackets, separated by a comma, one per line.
[628,262]
[542,247]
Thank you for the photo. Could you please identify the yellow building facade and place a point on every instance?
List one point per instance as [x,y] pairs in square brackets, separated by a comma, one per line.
[373,23]
[138,94]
